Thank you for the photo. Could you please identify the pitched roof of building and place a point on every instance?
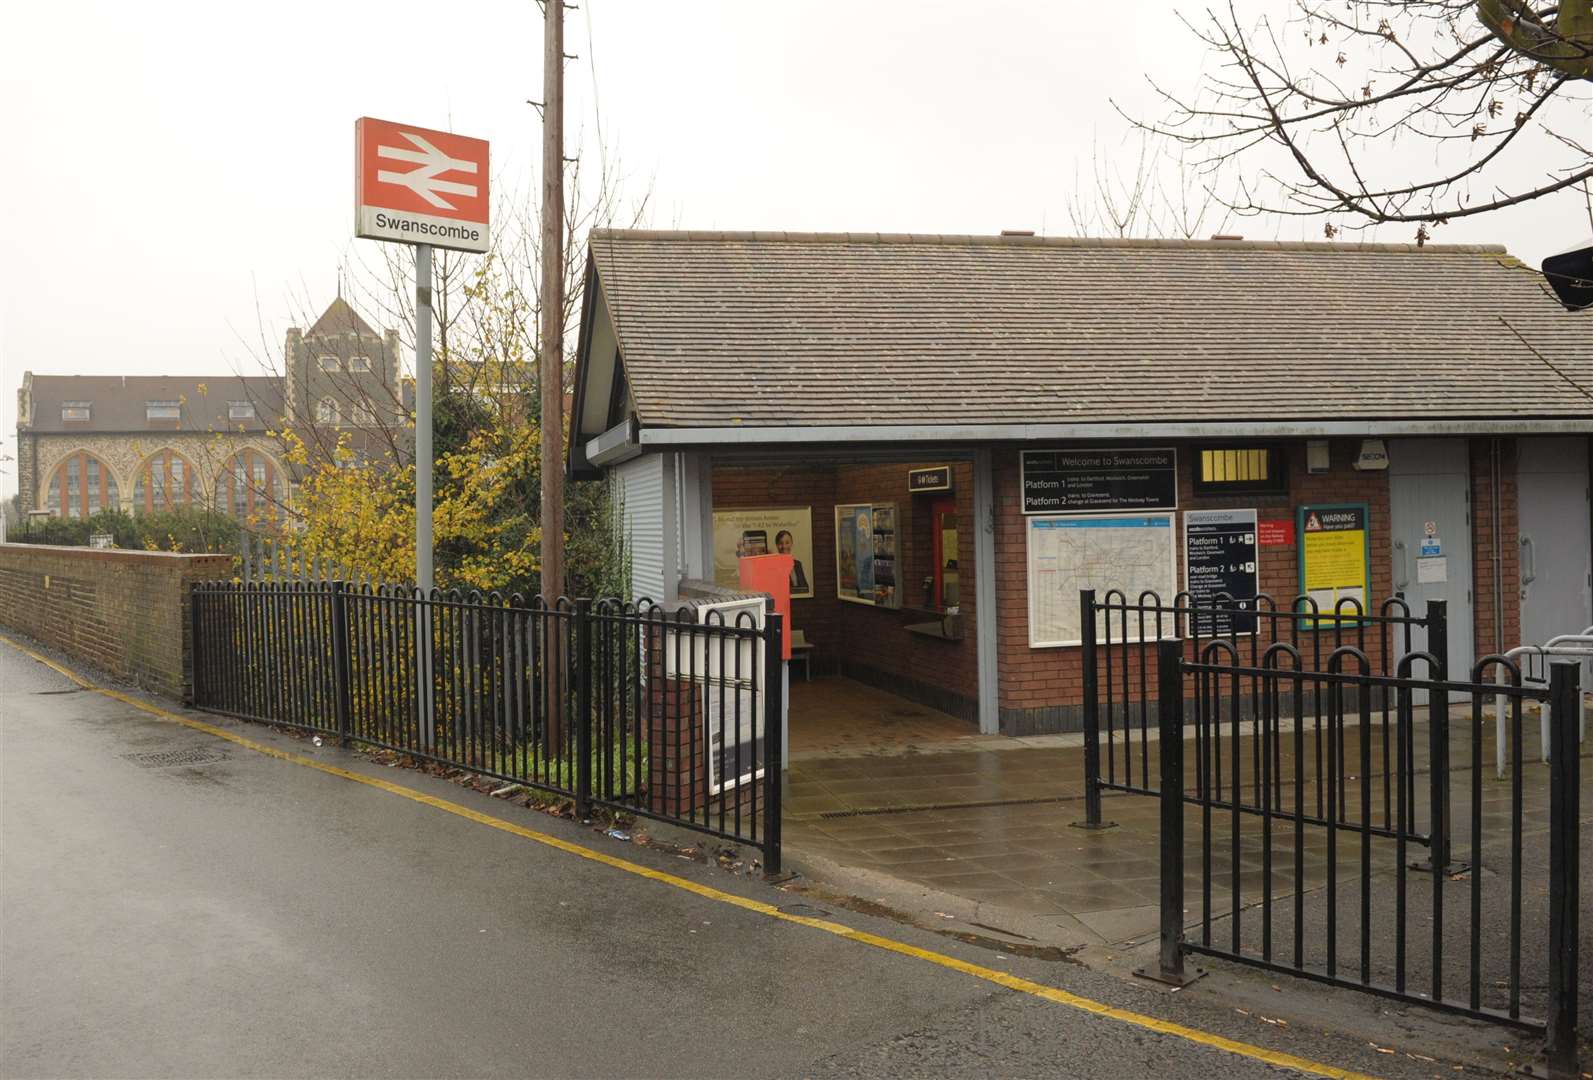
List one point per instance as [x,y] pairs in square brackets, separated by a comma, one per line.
[778,330]
[339,318]
[118,401]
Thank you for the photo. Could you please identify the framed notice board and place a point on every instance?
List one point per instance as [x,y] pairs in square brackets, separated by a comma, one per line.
[1067,553]
[1335,558]
[866,553]
[1221,559]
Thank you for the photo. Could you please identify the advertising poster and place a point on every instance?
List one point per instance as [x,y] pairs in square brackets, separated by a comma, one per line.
[765,531]
[885,594]
[1221,559]
[854,552]
[1334,560]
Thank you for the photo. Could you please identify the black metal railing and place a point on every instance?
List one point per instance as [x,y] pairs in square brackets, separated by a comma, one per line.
[1118,656]
[1334,898]
[629,707]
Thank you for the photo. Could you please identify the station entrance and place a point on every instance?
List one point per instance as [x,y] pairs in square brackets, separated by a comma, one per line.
[884,592]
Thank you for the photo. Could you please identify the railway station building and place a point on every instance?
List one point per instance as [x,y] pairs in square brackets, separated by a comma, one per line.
[953,435]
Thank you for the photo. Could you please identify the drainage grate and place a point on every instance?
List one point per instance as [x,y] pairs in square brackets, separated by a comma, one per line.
[913,808]
[164,759]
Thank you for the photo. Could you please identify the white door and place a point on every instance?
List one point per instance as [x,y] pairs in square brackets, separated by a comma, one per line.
[1556,548]
[1429,483]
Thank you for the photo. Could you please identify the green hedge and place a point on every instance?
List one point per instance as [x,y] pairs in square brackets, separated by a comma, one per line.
[190,529]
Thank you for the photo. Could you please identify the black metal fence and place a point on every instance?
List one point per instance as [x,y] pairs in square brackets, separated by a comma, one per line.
[1120,673]
[1333,897]
[657,714]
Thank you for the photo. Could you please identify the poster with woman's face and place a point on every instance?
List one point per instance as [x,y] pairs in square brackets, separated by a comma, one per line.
[765,531]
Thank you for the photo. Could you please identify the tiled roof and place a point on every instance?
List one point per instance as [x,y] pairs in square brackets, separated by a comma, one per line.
[339,318]
[782,330]
[118,401]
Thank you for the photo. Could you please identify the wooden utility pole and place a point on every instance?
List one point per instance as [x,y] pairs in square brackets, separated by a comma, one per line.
[550,366]
[550,350]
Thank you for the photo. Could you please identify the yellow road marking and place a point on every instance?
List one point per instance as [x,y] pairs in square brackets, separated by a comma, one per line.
[991,975]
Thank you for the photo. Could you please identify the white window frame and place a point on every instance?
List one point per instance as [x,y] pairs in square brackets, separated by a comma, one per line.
[240,410]
[361,415]
[85,407]
[167,410]
[327,412]
[328,362]
[359,363]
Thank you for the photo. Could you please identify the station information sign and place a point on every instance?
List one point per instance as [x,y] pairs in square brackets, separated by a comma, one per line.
[1092,480]
[1221,559]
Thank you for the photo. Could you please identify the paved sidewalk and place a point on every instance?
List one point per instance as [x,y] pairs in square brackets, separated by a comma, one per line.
[998,827]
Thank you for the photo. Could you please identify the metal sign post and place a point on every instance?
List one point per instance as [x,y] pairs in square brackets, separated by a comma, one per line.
[423,452]
[423,463]
[428,188]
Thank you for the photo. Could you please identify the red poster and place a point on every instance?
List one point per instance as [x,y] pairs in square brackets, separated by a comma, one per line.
[771,574]
[1275,533]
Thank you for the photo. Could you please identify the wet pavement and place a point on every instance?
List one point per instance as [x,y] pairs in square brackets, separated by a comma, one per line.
[175,905]
[837,717]
[999,827]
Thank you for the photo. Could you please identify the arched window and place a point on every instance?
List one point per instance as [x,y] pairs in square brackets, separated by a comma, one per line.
[327,412]
[82,486]
[165,481]
[249,486]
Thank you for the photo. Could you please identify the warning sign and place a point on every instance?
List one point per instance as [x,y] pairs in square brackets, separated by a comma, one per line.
[1334,562]
[1278,533]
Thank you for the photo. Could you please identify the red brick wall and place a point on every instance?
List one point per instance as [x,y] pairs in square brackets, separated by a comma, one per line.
[877,638]
[1034,683]
[678,767]
[125,612]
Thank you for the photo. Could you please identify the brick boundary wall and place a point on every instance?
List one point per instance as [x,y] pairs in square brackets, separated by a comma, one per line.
[125,612]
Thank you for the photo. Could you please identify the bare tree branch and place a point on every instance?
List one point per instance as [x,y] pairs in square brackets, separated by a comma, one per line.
[1327,108]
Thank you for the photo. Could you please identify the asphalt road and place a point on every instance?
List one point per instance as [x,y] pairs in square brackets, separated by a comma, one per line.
[172,904]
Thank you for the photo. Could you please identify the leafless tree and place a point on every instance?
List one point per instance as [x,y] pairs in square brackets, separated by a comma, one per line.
[1374,111]
[486,308]
[1162,196]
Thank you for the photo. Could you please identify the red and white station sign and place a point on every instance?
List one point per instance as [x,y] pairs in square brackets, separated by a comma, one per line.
[419,186]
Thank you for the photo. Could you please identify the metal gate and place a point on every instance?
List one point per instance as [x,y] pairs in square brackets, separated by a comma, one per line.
[1333,896]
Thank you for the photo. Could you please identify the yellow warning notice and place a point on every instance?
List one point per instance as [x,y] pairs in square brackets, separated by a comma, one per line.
[1333,562]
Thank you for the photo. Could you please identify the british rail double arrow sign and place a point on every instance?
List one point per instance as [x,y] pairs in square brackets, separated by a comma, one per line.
[418,186]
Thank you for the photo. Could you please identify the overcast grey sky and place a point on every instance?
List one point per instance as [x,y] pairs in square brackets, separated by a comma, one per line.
[178,177]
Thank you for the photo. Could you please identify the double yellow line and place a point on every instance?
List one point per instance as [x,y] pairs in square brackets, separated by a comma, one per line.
[708,892]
